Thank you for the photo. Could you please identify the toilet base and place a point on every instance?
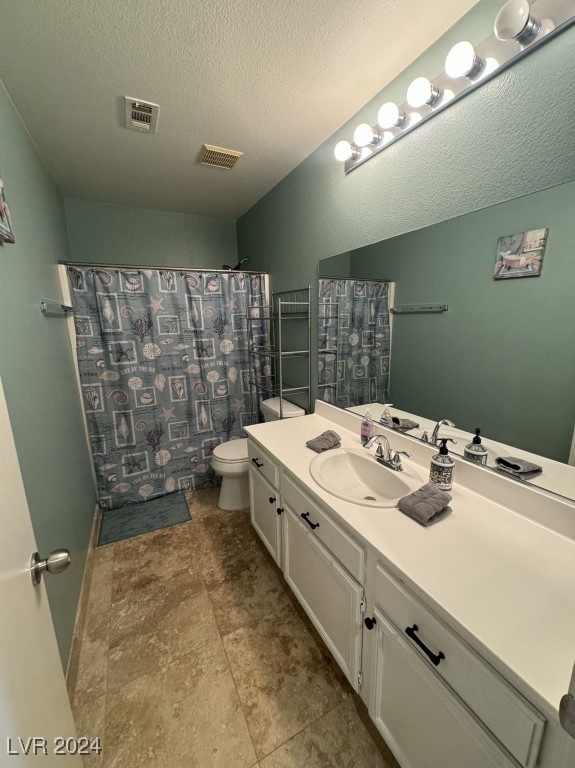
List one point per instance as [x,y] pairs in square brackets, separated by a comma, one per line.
[234,493]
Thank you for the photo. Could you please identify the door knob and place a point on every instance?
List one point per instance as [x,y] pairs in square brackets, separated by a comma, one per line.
[56,562]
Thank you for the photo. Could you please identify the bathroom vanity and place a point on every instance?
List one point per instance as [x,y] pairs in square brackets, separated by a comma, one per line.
[459,638]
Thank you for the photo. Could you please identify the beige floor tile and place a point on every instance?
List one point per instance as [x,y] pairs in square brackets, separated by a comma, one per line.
[91,679]
[143,559]
[187,716]
[203,504]
[100,595]
[337,740]
[283,683]
[159,622]
[90,718]
[220,537]
[245,588]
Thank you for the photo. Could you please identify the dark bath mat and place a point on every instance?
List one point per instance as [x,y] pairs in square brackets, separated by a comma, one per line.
[135,519]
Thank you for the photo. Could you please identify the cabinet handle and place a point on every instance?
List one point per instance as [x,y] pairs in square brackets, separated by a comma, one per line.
[272,499]
[370,623]
[279,510]
[305,516]
[257,463]
[433,658]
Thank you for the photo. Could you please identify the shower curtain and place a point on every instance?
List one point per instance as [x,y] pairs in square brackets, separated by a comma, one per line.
[354,341]
[164,372]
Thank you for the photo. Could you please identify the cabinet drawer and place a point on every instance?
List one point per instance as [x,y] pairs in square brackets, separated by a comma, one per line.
[263,462]
[336,539]
[517,725]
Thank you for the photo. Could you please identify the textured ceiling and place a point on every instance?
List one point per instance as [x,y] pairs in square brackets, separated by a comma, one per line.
[271,79]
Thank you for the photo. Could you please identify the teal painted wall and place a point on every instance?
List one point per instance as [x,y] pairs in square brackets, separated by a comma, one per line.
[37,369]
[114,234]
[511,137]
[503,357]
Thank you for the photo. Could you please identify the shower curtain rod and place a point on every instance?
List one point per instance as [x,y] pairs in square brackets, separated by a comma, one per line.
[148,266]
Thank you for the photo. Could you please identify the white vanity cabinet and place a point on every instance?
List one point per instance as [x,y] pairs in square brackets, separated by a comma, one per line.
[265,506]
[434,699]
[323,566]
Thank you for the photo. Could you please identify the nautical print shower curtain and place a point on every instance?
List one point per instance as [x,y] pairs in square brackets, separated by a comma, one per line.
[164,373]
[354,341]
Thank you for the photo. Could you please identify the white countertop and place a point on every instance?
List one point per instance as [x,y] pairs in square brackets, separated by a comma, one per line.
[505,582]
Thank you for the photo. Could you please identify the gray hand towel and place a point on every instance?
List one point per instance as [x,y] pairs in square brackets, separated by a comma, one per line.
[519,468]
[426,506]
[394,422]
[325,441]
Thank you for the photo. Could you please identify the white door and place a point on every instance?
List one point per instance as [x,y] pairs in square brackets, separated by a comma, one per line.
[33,697]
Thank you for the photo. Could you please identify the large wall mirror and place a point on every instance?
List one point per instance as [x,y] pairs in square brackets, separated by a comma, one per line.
[501,358]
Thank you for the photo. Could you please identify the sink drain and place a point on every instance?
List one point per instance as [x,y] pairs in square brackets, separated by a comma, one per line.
[370,498]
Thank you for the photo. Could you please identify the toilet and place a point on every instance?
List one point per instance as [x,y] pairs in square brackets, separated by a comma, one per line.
[230,459]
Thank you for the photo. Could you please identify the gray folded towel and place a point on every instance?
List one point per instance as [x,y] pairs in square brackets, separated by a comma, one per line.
[394,422]
[325,441]
[426,506]
[519,468]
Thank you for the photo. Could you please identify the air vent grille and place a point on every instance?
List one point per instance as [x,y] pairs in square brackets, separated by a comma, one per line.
[141,115]
[219,157]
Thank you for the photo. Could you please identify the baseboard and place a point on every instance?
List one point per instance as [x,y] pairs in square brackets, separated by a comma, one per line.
[76,647]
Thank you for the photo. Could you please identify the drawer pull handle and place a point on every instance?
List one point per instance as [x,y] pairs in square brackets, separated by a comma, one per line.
[433,658]
[370,623]
[257,463]
[272,499]
[305,516]
[279,510]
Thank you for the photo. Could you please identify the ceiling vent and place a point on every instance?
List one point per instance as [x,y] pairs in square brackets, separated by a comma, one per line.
[141,115]
[219,157]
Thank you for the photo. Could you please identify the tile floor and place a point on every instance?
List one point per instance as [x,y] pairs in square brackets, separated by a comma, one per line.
[195,654]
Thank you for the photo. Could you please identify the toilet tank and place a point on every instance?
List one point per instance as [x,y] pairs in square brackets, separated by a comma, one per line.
[271,409]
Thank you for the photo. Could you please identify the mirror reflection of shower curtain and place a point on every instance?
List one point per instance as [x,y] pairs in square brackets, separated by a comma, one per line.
[354,341]
[164,372]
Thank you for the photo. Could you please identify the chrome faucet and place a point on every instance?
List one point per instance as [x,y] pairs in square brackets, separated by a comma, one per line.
[435,437]
[385,454]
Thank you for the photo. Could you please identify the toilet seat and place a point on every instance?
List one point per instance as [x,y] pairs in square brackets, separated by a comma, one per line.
[232,452]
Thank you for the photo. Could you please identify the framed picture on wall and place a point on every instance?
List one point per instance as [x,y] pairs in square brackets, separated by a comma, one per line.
[520,255]
[6,231]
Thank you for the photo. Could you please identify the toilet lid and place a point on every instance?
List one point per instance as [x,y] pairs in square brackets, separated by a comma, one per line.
[232,451]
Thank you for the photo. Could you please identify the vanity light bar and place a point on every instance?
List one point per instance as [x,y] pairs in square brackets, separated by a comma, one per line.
[519,29]
[413,309]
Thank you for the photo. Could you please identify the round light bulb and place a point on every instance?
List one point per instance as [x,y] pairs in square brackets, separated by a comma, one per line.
[364,135]
[491,65]
[414,118]
[514,22]
[421,92]
[389,115]
[343,151]
[462,61]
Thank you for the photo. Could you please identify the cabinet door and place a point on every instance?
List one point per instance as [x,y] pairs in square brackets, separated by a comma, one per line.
[328,594]
[264,505]
[419,717]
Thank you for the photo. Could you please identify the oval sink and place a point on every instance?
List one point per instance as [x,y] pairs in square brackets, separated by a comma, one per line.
[359,478]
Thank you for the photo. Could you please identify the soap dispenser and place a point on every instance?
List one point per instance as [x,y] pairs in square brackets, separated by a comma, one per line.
[366,428]
[441,470]
[476,451]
